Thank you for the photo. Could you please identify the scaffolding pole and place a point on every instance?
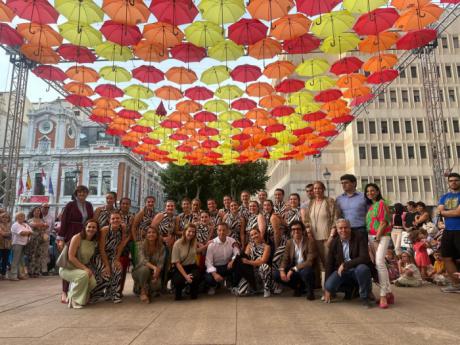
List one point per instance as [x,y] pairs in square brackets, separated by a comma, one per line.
[13,130]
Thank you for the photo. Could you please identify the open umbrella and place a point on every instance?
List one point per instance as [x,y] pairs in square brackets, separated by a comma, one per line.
[222,11]
[80,11]
[228,92]
[363,6]
[106,102]
[188,106]
[312,67]
[115,73]
[6,13]
[204,34]
[300,97]
[134,104]
[108,90]
[198,93]
[380,62]
[279,69]
[376,21]
[152,52]
[266,48]
[333,23]
[168,93]
[269,9]
[290,85]
[138,91]
[121,34]
[79,101]
[340,43]
[181,75]
[315,7]
[374,43]
[9,36]
[37,11]
[271,101]
[290,26]
[351,80]
[243,104]
[39,34]
[148,74]
[205,116]
[301,45]
[82,74]
[79,89]
[247,31]
[76,53]
[259,89]
[80,34]
[416,39]
[49,73]
[346,65]
[216,106]
[226,50]
[384,76]
[215,75]
[113,52]
[188,52]
[130,12]
[43,55]
[419,17]
[245,73]
[319,83]
[164,34]
[175,12]
[328,95]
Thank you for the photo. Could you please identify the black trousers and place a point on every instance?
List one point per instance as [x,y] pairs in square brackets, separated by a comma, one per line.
[245,271]
[180,282]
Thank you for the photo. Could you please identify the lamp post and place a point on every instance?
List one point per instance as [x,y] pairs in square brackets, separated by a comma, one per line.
[327,175]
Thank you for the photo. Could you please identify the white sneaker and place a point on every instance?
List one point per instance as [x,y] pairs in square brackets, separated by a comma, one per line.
[451,289]
[211,291]
[278,291]
[169,285]
[267,294]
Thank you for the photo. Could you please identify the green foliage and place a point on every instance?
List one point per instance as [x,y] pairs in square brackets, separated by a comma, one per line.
[205,182]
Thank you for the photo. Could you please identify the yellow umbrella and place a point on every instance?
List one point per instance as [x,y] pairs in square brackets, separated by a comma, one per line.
[312,67]
[228,92]
[81,11]
[300,97]
[80,34]
[340,43]
[134,104]
[319,83]
[160,133]
[204,34]
[138,91]
[333,23]
[230,115]
[226,51]
[308,108]
[115,73]
[363,6]
[216,106]
[222,11]
[219,125]
[113,52]
[215,75]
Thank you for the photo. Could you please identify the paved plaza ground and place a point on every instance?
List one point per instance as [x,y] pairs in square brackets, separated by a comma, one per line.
[31,314]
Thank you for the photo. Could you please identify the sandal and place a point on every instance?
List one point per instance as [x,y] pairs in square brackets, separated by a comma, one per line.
[64,299]
[144,298]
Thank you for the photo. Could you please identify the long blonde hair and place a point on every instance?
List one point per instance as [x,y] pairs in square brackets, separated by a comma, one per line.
[184,238]
[158,242]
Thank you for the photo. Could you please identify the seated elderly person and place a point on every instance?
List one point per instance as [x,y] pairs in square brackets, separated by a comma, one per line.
[296,268]
[348,263]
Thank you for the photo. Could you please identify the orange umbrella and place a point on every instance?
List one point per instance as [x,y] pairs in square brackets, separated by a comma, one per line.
[82,74]
[380,62]
[179,116]
[334,105]
[351,80]
[418,17]
[194,124]
[257,113]
[168,93]
[404,4]
[103,111]
[337,113]
[39,34]
[266,48]
[290,26]
[265,122]
[108,103]
[383,41]
[149,51]
[189,106]
[181,75]
[131,139]
[6,14]
[279,69]
[259,89]
[130,12]
[269,9]
[164,34]
[43,55]
[272,101]
[357,92]
[79,89]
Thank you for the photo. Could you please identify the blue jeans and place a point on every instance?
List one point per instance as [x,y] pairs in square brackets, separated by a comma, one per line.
[303,279]
[360,275]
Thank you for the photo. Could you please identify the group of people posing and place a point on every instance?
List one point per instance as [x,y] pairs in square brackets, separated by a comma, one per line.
[248,246]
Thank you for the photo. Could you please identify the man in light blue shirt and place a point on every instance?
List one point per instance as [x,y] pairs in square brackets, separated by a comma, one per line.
[352,204]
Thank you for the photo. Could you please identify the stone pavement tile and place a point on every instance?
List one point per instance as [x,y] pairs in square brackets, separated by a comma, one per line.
[89,336]
[18,341]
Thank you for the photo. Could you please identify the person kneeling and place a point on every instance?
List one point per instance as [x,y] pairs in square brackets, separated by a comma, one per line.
[147,273]
[348,263]
[296,268]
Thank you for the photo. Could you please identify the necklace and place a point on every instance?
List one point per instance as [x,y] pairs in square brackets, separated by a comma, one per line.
[316,213]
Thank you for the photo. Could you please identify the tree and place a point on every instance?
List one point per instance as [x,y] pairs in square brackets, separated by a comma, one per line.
[205,182]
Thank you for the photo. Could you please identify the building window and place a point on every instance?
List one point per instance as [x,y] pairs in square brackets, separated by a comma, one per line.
[455,126]
[444,42]
[360,127]
[133,189]
[384,126]
[408,126]
[441,96]
[398,150]
[458,151]
[458,71]
[381,98]
[39,187]
[414,185]
[444,126]
[362,152]
[106,182]
[393,96]
[448,152]
[405,96]
[448,71]
[416,96]
[364,182]
[423,154]
[372,128]
[93,182]
[386,152]
[390,186]
[410,152]
[451,95]
[70,182]
[413,71]
[377,182]
[396,128]
[374,152]
[402,74]
[420,128]
[455,41]
[426,185]
[402,185]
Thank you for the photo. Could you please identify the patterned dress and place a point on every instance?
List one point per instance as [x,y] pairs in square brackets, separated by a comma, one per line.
[224,211]
[292,215]
[167,225]
[280,208]
[234,224]
[184,220]
[244,212]
[215,218]
[202,233]
[263,273]
[196,217]
[127,219]
[144,224]
[251,224]
[33,250]
[269,232]
[107,288]
[104,216]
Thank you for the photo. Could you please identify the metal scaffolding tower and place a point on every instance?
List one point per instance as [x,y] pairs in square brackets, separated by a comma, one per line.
[435,117]
[13,130]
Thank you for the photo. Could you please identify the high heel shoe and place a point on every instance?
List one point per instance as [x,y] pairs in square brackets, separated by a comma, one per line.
[390,298]
[383,304]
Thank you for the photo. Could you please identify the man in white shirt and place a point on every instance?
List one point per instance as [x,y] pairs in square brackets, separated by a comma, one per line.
[220,255]
[49,220]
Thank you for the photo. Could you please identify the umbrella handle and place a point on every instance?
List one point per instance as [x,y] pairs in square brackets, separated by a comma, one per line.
[333,44]
[318,22]
[132,2]
[48,88]
[30,29]
[37,52]
[79,29]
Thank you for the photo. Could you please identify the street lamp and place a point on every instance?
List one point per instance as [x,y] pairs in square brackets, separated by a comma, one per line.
[327,175]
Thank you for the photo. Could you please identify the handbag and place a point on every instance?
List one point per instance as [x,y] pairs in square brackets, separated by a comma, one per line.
[63,259]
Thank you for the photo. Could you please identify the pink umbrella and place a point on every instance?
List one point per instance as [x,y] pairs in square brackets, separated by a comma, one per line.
[49,72]
[245,73]
[199,93]
[244,104]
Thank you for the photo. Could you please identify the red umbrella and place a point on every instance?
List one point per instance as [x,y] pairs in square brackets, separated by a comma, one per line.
[122,34]
[361,99]
[416,39]
[210,144]
[275,128]
[314,7]
[346,65]
[247,31]
[183,147]
[290,85]
[188,52]
[316,116]
[241,137]
[150,141]
[178,136]
[199,93]
[100,118]
[129,114]
[170,124]
[175,12]
[343,119]
[79,101]
[37,11]
[76,53]
[161,110]
[383,76]
[328,95]
[242,123]
[282,110]
[244,104]
[301,45]
[9,36]
[148,74]
[376,21]
[205,116]
[245,73]
[207,131]
[141,129]
[303,131]
[109,91]
[49,72]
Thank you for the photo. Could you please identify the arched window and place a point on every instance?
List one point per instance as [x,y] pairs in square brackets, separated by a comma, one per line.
[44,145]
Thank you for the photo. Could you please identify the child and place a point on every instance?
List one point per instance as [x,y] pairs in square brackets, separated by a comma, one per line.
[420,245]
[409,273]
[392,265]
[438,274]
[21,231]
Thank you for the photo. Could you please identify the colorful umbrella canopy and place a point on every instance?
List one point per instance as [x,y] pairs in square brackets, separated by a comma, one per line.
[37,11]
[215,75]
[226,51]
[175,12]
[76,53]
[9,36]
[247,31]
[188,52]
[222,11]
[199,93]
[49,73]
[245,73]
[130,12]
[121,34]
[80,34]
[80,11]
[204,34]
[39,34]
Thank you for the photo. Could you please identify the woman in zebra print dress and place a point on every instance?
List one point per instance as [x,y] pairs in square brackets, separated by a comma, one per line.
[184,218]
[106,264]
[165,222]
[274,235]
[216,216]
[205,231]
[102,213]
[226,202]
[127,218]
[244,208]
[196,211]
[293,213]
[255,268]
[255,220]
[236,223]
